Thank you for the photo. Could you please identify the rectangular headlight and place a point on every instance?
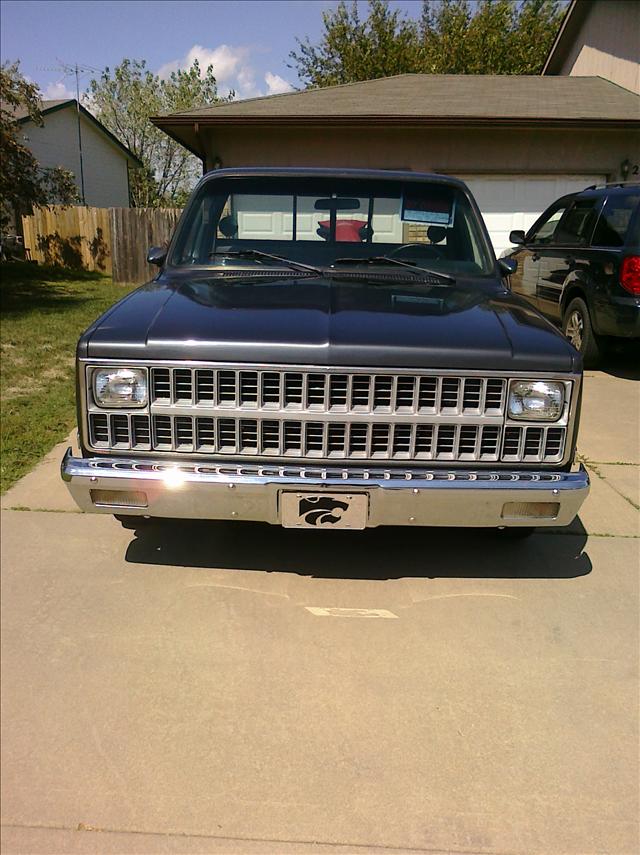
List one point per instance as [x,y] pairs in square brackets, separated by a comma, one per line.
[120,387]
[536,400]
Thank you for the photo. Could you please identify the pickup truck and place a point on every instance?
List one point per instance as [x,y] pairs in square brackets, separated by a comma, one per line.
[328,349]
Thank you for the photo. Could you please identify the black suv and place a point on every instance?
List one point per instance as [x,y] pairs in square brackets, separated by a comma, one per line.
[579,265]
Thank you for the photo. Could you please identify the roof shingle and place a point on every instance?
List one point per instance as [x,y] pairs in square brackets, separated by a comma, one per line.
[445,96]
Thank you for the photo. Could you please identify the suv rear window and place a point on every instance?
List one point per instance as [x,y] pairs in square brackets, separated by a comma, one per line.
[613,223]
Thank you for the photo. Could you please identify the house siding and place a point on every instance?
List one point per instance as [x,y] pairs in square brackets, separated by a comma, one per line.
[105,166]
[608,45]
[451,150]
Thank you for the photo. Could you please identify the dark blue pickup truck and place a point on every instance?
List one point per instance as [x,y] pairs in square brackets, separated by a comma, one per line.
[329,349]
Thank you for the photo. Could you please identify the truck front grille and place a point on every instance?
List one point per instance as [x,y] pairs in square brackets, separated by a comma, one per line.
[327,440]
[326,415]
[315,392]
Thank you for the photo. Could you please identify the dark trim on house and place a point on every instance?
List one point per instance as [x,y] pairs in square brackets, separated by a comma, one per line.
[165,123]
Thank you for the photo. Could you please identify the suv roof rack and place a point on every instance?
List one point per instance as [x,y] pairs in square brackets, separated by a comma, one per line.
[611,184]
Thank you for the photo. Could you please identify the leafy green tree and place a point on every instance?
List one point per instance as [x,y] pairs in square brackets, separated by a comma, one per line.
[125,98]
[498,37]
[24,184]
[352,49]
[450,37]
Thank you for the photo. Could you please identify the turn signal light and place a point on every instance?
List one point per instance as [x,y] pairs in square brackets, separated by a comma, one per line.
[528,510]
[630,274]
[119,498]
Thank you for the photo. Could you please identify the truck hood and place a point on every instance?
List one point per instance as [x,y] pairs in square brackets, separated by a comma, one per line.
[337,320]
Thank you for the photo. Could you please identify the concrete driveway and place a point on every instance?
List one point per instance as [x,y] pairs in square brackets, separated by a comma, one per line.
[195,688]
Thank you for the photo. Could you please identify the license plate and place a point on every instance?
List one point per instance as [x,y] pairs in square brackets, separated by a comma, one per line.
[324,510]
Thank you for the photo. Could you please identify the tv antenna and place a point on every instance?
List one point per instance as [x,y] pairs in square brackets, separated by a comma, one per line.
[76,71]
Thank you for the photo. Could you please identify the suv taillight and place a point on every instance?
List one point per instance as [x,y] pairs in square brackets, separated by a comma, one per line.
[630,274]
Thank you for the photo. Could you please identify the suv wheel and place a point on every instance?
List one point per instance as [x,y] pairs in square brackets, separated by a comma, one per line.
[576,325]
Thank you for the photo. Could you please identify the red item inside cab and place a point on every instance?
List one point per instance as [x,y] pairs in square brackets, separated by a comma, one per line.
[347,231]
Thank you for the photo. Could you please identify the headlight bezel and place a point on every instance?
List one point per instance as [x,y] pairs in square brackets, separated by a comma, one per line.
[534,415]
[115,404]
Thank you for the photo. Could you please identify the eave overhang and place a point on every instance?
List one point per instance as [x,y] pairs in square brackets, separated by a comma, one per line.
[168,123]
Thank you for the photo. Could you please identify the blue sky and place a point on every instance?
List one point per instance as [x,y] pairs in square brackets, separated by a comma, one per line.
[247,41]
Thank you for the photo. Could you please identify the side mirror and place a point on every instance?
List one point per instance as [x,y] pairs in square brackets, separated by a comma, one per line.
[157,255]
[516,237]
[508,266]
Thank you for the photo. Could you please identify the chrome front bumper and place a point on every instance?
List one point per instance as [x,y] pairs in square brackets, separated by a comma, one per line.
[418,497]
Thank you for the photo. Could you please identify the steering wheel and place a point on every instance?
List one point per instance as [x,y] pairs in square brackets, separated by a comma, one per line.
[435,251]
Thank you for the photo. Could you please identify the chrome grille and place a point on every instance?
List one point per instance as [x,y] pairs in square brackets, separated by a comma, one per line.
[327,392]
[336,415]
[327,440]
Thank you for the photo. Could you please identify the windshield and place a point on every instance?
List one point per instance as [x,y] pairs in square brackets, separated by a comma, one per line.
[331,220]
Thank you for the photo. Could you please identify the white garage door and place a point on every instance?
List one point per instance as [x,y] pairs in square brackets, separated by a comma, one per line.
[515,202]
[271,218]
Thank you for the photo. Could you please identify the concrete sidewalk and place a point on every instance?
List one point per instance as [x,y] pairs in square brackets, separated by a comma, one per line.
[184,689]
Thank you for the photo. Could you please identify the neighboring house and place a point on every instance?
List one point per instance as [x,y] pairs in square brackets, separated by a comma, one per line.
[103,170]
[599,37]
[519,141]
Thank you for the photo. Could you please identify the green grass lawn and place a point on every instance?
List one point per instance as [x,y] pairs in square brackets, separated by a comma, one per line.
[44,310]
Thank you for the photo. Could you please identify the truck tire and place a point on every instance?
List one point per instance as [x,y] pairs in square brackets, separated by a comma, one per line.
[576,325]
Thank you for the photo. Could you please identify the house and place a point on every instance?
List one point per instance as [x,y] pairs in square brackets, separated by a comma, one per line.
[518,141]
[599,38]
[75,140]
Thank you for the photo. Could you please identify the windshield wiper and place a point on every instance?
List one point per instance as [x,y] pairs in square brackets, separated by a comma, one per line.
[386,259]
[267,256]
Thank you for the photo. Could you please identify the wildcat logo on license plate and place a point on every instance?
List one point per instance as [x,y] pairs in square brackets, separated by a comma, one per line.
[324,510]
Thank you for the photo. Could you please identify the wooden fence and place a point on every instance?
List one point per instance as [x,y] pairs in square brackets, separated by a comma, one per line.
[110,240]
[133,231]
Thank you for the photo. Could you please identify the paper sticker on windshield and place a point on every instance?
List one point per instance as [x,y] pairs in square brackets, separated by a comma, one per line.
[433,207]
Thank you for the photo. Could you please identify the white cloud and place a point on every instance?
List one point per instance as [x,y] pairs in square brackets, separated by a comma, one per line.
[276,85]
[57,91]
[232,68]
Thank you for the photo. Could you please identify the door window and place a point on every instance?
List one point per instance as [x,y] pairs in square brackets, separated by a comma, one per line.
[544,231]
[576,226]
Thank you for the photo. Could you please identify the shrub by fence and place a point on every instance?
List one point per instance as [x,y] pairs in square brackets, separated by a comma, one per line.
[110,240]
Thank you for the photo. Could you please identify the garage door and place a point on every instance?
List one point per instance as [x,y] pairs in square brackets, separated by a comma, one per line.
[514,202]
[271,218]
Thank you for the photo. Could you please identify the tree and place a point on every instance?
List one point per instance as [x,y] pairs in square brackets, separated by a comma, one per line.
[123,100]
[502,37]
[350,49]
[24,184]
[451,37]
